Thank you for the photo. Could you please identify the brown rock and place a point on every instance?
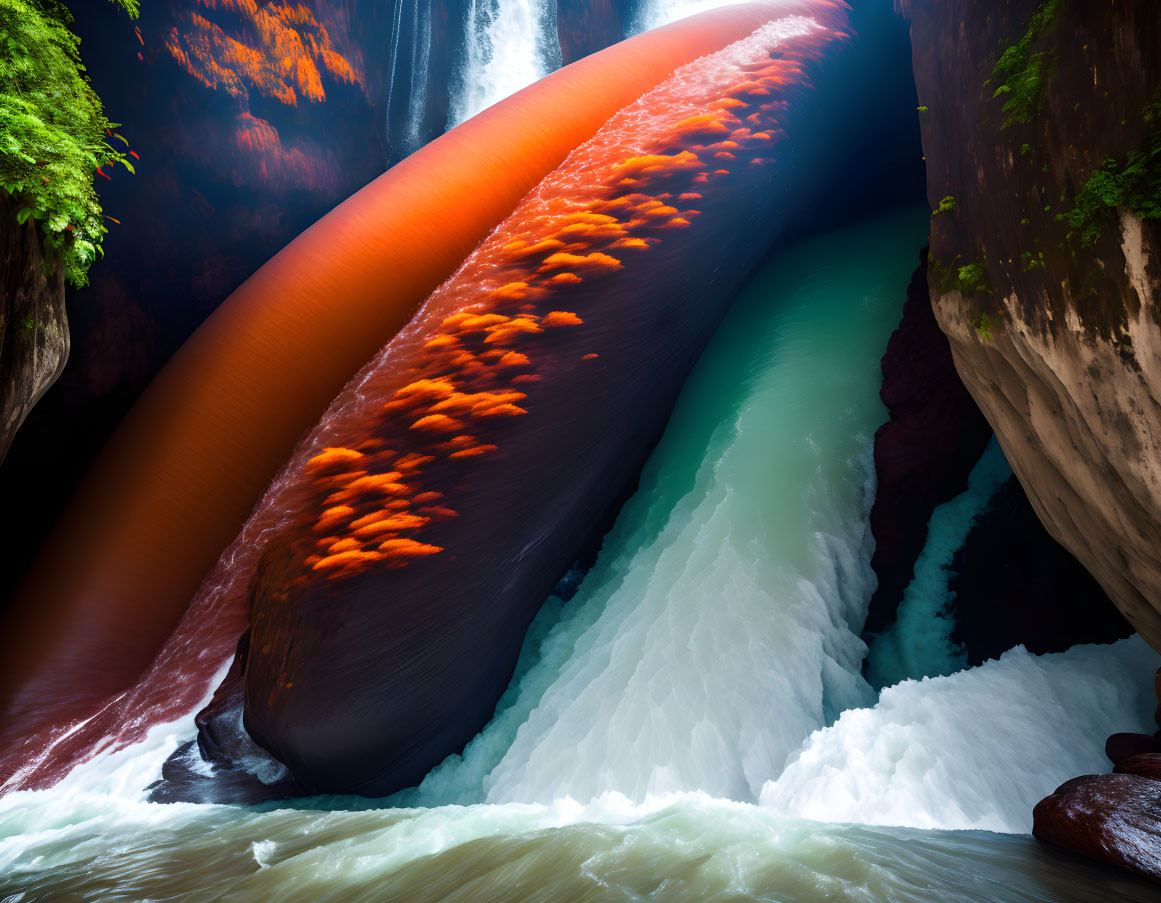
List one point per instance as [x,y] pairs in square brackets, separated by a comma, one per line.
[1122,746]
[34,335]
[1113,818]
[1145,765]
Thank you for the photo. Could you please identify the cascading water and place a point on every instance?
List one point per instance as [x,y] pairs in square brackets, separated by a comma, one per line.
[509,44]
[721,622]
[713,600]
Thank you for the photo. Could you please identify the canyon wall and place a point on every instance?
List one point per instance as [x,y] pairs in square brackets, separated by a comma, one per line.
[34,334]
[1042,132]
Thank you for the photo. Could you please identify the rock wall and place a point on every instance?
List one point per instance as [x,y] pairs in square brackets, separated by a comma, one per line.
[34,335]
[1057,338]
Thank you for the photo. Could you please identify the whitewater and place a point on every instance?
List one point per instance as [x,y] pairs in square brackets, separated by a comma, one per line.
[685,724]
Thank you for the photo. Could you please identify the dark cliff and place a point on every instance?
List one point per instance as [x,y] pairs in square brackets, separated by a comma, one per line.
[34,336]
[1043,146]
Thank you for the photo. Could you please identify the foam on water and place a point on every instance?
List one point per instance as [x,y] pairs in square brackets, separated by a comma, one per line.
[977,749]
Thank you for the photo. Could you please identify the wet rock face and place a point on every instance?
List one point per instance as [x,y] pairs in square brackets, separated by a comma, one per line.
[34,336]
[1112,818]
[1058,342]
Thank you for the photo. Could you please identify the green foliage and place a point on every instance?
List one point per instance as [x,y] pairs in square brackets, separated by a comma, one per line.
[53,131]
[923,109]
[971,279]
[945,206]
[1023,74]
[1134,183]
[983,327]
[1029,262]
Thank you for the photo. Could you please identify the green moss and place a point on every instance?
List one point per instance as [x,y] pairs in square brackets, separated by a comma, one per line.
[1022,74]
[1133,183]
[923,109]
[53,131]
[945,206]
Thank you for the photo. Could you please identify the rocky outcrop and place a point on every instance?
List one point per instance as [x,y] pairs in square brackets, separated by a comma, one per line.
[1048,296]
[34,335]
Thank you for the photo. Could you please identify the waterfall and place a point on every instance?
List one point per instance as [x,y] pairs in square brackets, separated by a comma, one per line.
[509,44]
[976,749]
[971,750]
[421,60]
[408,74]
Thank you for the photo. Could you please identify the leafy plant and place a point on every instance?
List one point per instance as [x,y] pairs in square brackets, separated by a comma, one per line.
[54,136]
[1133,183]
[945,206]
[1023,74]
[983,327]
[970,279]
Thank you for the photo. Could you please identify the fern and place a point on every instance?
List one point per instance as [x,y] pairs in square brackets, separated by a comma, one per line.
[53,132]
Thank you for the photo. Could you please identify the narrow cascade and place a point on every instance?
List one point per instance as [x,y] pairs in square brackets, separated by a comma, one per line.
[721,621]
[409,71]
[509,44]
[420,71]
[919,643]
